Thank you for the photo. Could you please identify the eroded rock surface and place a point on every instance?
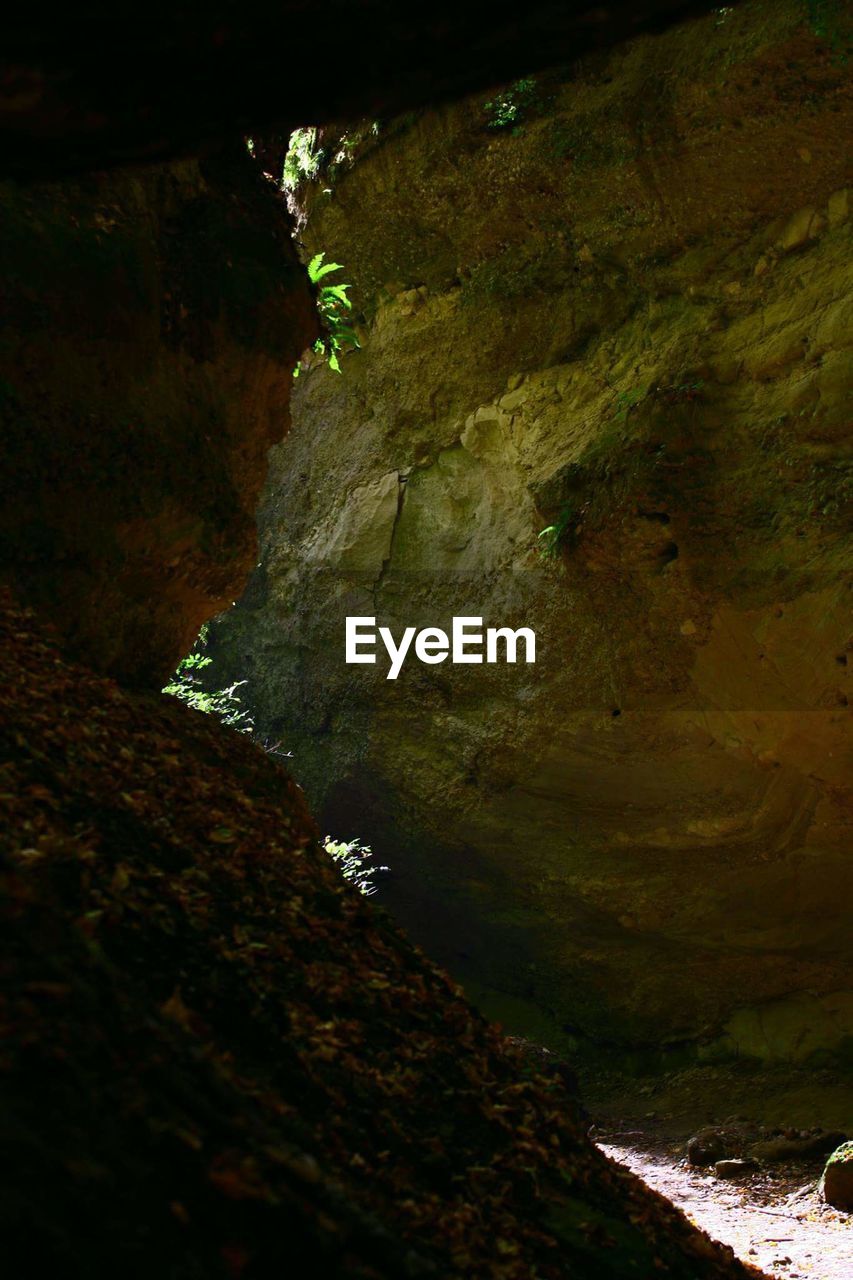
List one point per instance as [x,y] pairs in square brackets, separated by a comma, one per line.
[151,320]
[627,317]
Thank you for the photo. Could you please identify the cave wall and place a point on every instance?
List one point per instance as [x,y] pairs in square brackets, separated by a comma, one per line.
[632,308]
[113,85]
[151,321]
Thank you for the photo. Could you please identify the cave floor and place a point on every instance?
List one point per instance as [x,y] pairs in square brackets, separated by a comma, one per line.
[772,1218]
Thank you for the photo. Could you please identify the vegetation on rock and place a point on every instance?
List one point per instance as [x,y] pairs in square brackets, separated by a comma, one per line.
[353,859]
[303,158]
[333,305]
[355,862]
[506,110]
[225,704]
[554,536]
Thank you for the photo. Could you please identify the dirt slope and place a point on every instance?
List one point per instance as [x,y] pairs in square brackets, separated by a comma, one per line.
[219,1060]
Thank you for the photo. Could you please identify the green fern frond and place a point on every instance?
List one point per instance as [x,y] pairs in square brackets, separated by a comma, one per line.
[317,269]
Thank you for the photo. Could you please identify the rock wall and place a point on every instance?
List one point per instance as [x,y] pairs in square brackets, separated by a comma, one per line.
[151,320]
[628,316]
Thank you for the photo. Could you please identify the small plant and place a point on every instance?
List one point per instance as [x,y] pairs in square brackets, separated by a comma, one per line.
[303,159]
[554,536]
[506,110]
[333,305]
[224,703]
[354,861]
[347,145]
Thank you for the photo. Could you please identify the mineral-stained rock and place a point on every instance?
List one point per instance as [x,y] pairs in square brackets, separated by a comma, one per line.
[151,321]
[640,845]
[836,1185]
[218,1060]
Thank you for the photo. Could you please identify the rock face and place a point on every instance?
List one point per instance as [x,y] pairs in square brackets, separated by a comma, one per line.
[116,87]
[627,318]
[151,320]
[220,1061]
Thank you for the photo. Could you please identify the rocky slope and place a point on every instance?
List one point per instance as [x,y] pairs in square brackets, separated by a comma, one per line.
[219,1061]
[628,316]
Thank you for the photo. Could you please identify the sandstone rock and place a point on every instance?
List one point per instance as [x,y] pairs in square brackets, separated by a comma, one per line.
[513,400]
[790,1029]
[836,1184]
[642,838]
[359,539]
[803,226]
[740,1168]
[839,207]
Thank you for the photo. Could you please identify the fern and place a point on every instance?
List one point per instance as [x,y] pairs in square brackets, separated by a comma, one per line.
[317,269]
[333,305]
[224,703]
[554,536]
[354,861]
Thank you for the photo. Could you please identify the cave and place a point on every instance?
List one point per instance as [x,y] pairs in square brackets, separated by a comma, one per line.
[425,542]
